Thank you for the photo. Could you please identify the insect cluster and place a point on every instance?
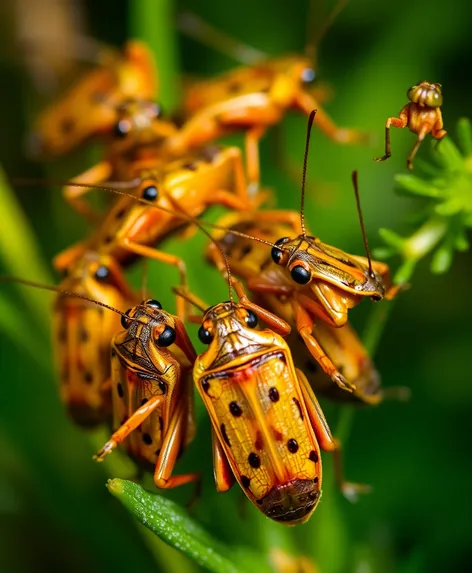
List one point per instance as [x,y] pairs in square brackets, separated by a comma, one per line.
[258,383]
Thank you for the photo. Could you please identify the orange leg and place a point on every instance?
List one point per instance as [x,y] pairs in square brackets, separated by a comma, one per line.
[306,103]
[305,327]
[252,158]
[327,442]
[273,321]
[75,195]
[170,450]
[224,477]
[167,258]
[131,424]
[399,122]
[66,259]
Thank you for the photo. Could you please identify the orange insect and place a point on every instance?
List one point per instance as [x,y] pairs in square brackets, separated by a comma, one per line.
[131,228]
[268,427]
[82,332]
[319,281]
[152,360]
[252,99]
[91,108]
[249,259]
[422,115]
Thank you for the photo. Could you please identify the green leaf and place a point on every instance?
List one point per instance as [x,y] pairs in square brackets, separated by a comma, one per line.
[392,239]
[173,525]
[442,260]
[415,186]
[448,154]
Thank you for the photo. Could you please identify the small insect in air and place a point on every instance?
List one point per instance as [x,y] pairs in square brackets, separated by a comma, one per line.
[422,115]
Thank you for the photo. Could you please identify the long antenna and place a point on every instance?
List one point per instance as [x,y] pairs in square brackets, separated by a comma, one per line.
[196,28]
[313,43]
[355,184]
[305,161]
[65,292]
[180,214]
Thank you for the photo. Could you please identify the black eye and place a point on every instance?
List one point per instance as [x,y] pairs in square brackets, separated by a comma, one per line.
[308,75]
[150,193]
[204,335]
[125,322]
[154,303]
[376,298]
[300,275]
[276,255]
[251,319]
[167,337]
[102,273]
[122,128]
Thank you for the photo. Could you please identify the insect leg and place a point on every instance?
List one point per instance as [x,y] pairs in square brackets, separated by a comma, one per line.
[173,440]
[438,132]
[305,327]
[224,477]
[131,424]
[273,321]
[421,135]
[75,195]
[252,157]
[306,103]
[400,122]
[326,440]
[167,258]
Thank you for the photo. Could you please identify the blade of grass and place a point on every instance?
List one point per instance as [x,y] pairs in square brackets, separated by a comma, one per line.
[172,524]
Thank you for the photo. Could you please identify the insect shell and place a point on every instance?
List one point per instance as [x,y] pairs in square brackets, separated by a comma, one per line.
[326,274]
[249,258]
[88,109]
[82,334]
[262,430]
[151,357]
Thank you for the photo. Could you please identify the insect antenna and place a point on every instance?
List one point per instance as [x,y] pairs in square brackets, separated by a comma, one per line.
[195,27]
[317,34]
[355,184]
[179,212]
[305,162]
[67,293]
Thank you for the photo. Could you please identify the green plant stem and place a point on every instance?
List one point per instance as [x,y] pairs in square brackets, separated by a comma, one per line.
[153,22]
[20,254]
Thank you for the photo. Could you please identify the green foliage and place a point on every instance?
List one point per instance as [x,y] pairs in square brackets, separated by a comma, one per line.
[446,190]
[52,500]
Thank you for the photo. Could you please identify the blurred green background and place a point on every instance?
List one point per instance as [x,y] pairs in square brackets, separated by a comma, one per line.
[55,513]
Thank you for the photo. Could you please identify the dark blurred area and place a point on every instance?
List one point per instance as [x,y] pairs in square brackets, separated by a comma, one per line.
[55,513]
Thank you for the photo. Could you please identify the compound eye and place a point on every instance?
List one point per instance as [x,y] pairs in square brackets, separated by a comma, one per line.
[434,99]
[122,128]
[308,75]
[251,319]
[125,321]
[376,297]
[153,303]
[276,253]
[102,273]
[204,335]
[150,193]
[167,336]
[300,275]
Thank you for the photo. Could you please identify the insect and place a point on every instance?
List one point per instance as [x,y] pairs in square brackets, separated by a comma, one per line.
[152,360]
[82,332]
[131,227]
[319,281]
[151,383]
[267,426]
[91,108]
[252,99]
[422,115]
[249,259]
